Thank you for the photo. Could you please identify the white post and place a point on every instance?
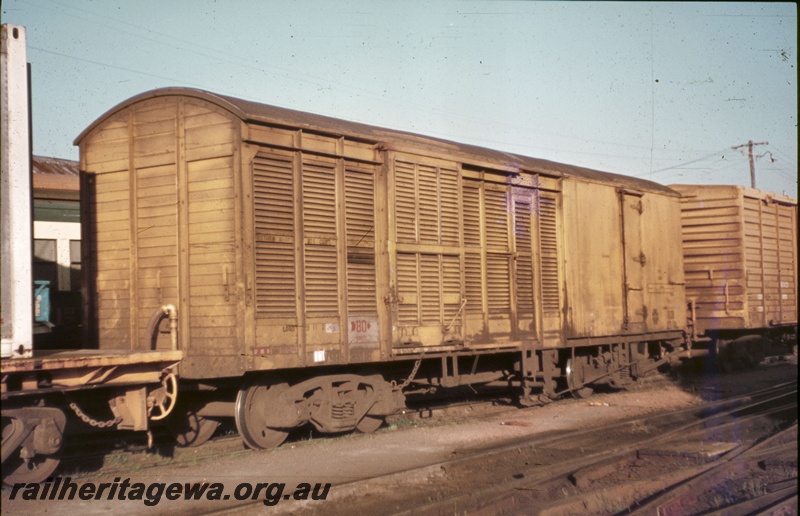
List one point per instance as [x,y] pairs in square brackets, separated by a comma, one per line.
[15,263]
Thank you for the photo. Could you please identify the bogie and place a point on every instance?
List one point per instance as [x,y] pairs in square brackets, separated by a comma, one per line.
[267,409]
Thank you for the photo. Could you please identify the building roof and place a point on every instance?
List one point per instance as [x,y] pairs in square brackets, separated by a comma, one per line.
[55,174]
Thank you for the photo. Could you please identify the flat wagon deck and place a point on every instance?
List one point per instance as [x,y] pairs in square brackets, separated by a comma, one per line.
[49,371]
[37,393]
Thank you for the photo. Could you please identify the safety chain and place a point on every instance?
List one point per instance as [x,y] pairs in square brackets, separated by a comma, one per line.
[412,375]
[91,421]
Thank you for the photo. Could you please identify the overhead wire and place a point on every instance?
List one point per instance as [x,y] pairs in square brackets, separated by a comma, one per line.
[195,48]
[195,85]
[683,164]
[251,62]
[106,65]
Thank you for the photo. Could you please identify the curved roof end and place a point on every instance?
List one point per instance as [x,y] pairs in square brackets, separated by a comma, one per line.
[163,92]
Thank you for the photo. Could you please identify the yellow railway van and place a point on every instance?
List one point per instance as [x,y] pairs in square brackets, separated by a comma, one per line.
[282,246]
[740,255]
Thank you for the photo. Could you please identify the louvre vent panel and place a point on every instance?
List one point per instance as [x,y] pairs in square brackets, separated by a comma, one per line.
[428,201]
[275,280]
[321,285]
[548,243]
[522,227]
[430,288]
[274,194]
[360,208]
[359,221]
[427,212]
[319,199]
[525,284]
[498,283]
[407,287]
[496,219]
[448,192]
[473,283]
[451,288]
[472,217]
[321,288]
[524,262]
[361,285]
[405,202]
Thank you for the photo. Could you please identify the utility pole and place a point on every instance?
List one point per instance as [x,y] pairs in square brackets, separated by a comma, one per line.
[749,146]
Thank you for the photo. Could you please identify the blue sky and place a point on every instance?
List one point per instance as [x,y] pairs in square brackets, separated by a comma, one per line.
[660,91]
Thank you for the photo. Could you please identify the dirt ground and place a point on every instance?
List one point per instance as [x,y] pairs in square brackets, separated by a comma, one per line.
[402,445]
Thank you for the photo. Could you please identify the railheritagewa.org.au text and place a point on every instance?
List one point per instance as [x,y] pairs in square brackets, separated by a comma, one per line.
[153,493]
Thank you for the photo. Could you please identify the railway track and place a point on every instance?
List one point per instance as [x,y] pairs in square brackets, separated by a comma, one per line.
[665,462]
[556,472]
[113,453]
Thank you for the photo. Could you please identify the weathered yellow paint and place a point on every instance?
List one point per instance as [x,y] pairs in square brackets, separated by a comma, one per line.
[290,240]
[740,253]
[621,277]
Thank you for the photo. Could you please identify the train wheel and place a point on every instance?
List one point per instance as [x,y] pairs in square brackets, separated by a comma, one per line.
[727,360]
[369,424]
[17,470]
[574,373]
[750,350]
[188,429]
[251,405]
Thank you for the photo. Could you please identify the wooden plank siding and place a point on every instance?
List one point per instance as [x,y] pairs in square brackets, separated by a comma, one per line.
[212,255]
[174,242]
[739,253]
[769,243]
[156,248]
[108,234]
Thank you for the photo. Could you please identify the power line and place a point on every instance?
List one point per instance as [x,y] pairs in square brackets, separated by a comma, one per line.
[237,58]
[684,163]
[106,65]
[787,158]
[185,45]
